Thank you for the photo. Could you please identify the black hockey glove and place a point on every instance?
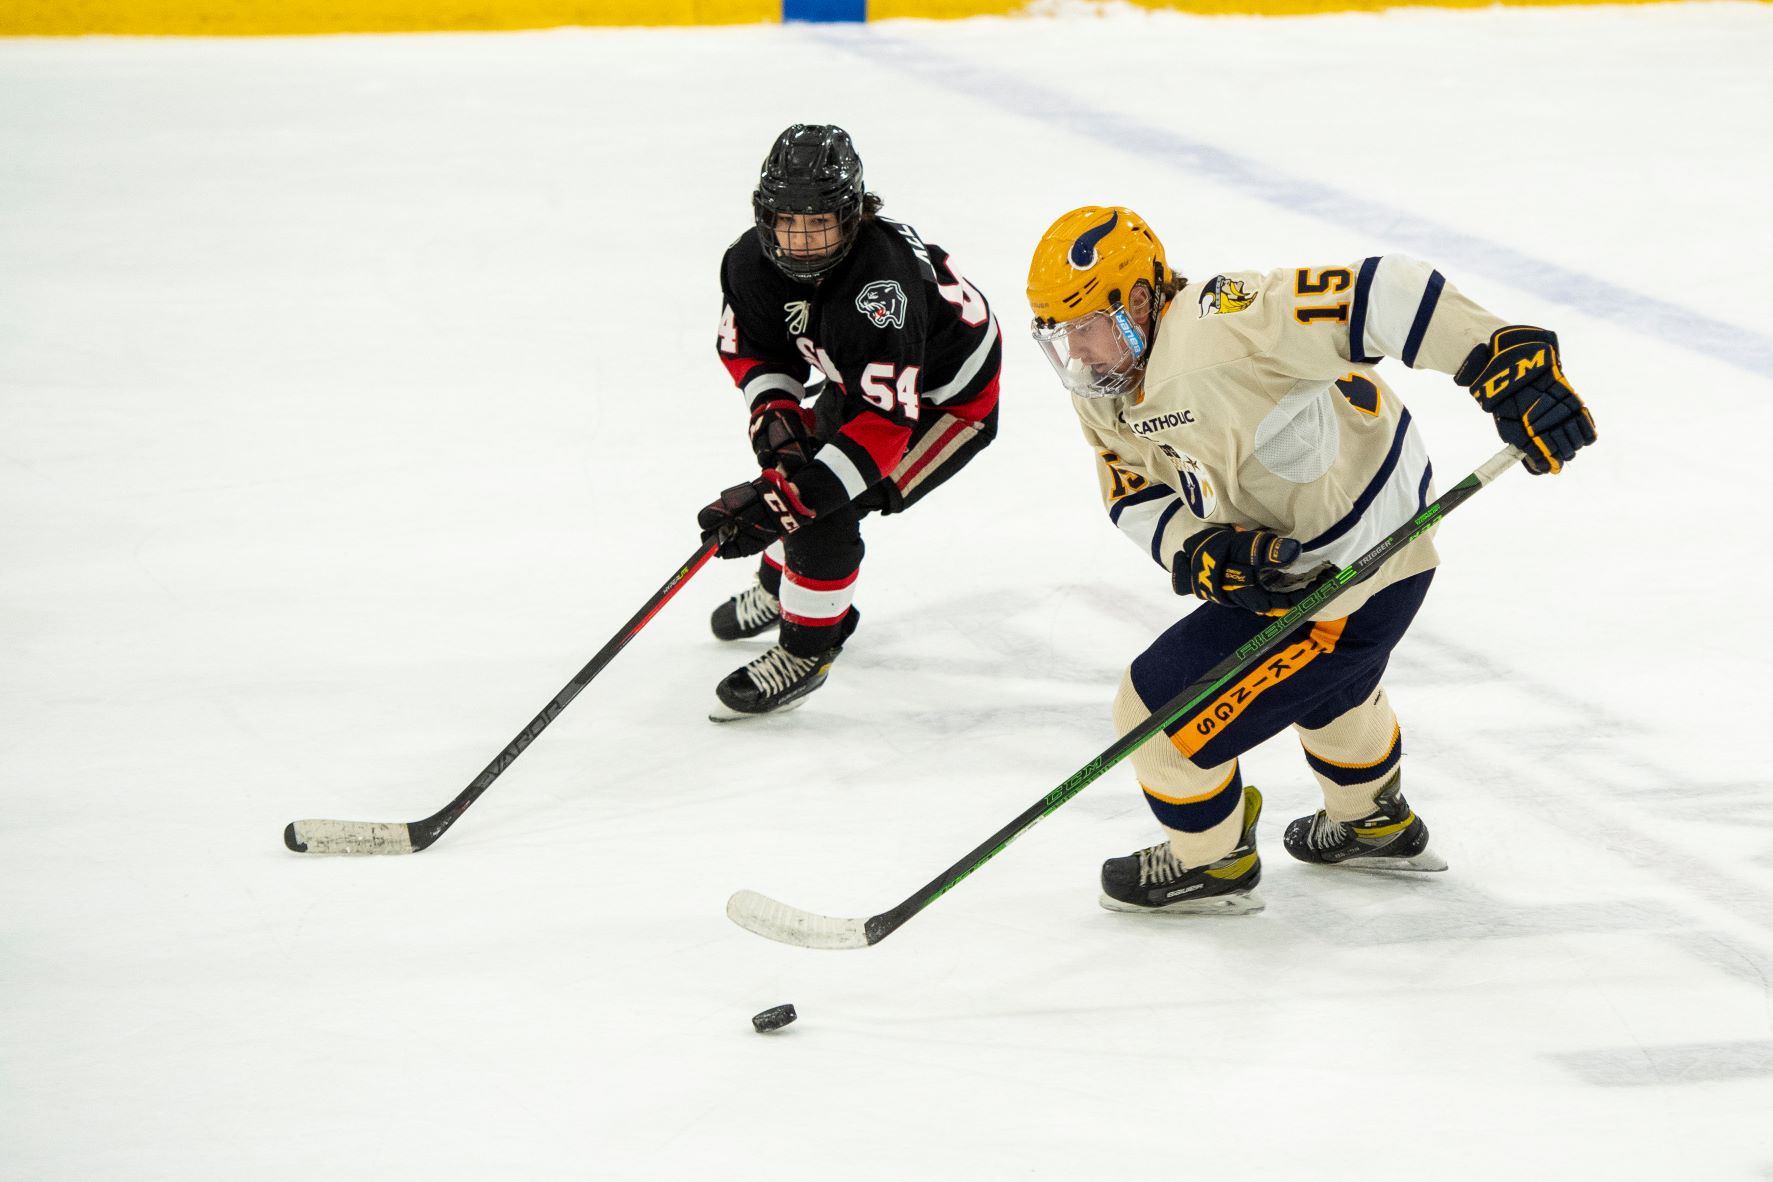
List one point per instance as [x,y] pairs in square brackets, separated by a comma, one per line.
[780,436]
[757,513]
[1240,568]
[1517,378]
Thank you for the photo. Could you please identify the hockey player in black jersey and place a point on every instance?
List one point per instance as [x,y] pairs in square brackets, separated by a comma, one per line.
[905,353]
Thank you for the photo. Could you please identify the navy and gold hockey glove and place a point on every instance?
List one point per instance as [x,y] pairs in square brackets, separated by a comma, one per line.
[781,436]
[1240,568]
[748,517]
[1518,379]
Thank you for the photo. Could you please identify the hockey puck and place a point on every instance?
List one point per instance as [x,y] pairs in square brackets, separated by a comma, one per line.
[773,1018]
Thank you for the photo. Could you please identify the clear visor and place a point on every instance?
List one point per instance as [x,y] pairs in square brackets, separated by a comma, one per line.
[1095,356]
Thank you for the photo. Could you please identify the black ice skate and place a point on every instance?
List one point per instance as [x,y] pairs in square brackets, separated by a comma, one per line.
[774,682]
[1391,837]
[751,611]
[1152,879]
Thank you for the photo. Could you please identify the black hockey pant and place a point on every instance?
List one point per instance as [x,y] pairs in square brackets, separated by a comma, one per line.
[821,559]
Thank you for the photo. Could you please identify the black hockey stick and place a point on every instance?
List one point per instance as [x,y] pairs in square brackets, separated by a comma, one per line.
[790,925]
[398,837]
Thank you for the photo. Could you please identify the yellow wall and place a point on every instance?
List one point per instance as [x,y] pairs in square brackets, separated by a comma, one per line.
[890,9]
[249,17]
[252,17]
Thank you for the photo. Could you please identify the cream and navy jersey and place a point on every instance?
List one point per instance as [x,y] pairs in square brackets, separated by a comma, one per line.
[1261,408]
[895,327]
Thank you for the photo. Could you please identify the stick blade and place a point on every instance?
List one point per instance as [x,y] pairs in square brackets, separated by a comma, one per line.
[765,917]
[348,837]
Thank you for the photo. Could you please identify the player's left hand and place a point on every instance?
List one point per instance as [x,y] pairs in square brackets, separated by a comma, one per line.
[1518,379]
[758,513]
[1240,568]
[781,436]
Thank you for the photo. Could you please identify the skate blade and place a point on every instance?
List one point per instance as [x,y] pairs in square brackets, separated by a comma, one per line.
[724,713]
[1217,905]
[1425,862]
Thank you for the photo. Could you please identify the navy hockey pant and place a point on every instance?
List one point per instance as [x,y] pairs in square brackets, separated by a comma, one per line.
[1315,675]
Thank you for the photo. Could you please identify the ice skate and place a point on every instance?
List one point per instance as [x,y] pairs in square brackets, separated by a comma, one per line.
[775,682]
[1153,880]
[746,614]
[1391,837]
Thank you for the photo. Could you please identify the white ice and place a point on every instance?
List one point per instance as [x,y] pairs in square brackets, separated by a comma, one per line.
[356,390]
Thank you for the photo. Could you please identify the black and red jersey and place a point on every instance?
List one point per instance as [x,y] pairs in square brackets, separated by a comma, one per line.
[895,326]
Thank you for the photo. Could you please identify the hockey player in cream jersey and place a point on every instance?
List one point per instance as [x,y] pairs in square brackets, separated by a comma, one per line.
[1245,441]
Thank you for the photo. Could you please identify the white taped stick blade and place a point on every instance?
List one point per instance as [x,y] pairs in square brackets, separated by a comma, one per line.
[348,837]
[790,925]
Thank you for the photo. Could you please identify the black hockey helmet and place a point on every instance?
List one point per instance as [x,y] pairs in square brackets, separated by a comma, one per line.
[812,168]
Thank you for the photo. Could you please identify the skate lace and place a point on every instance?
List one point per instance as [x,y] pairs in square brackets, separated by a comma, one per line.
[755,606]
[1325,833]
[1158,865]
[778,669]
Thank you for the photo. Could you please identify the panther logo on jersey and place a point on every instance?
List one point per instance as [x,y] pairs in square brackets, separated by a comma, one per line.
[798,313]
[1225,295]
[883,302]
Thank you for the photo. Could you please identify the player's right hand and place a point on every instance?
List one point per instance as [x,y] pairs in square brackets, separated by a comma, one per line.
[1518,379]
[781,436]
[1239,568]
[748,517]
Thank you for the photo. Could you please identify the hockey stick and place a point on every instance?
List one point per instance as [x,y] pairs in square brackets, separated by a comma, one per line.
[398,837]
[790,925]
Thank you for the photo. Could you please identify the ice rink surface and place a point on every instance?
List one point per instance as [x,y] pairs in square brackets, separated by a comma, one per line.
[356,390]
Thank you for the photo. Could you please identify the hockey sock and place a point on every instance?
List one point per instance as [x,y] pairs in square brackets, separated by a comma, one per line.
[1202,808]
[769,570]
[816,613]
[1195,848]
[1354,756]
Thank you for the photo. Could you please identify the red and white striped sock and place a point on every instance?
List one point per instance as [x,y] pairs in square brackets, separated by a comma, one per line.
[813,611]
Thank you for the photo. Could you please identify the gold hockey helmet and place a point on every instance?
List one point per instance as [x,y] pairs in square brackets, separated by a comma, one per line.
[1096,285]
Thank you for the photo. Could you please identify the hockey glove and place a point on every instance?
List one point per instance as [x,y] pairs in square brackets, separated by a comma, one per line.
[1240,568]
[780,436]
[1517,378]
[748,517]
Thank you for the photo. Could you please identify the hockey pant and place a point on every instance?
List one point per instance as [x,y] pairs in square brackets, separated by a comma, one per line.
[813,570]
[1322,680]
